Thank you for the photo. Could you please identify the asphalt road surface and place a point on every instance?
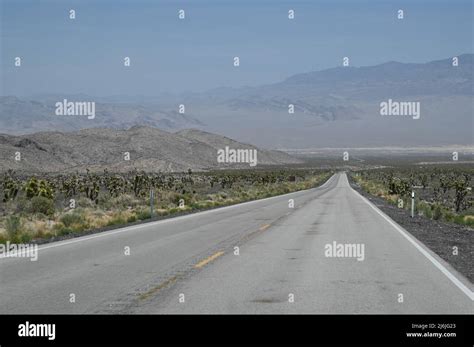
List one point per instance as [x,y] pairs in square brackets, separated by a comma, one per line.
[256,257]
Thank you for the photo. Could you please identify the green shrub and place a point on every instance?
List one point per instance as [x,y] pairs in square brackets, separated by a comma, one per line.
[40,204]
[197,205]
[428,212]
[448,216]
[85,202]
[13,227]
[71,218]
[80,227]
[24,237]
[22,205]
[124,201]
[62,230]
[437,213]
[143,214]
[119,220]
[462,220]
[131,219]
[423,208]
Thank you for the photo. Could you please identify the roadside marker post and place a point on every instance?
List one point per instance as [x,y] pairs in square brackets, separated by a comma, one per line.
[412,204]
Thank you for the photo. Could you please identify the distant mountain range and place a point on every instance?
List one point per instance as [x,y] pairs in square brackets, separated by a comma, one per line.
[150,149]
[28,116]
[338,107]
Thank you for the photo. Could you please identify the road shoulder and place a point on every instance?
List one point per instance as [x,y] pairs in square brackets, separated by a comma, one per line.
[439,237]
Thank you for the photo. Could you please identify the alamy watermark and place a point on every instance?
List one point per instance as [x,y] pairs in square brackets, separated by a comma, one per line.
[21,250]
[345,250]
[400,108]
[75,108]
[230,155]
[37,330]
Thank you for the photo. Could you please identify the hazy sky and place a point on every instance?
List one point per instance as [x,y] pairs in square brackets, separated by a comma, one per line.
[86,55]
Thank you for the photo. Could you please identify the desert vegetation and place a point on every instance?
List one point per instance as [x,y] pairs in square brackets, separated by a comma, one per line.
[48,206]
[441,193]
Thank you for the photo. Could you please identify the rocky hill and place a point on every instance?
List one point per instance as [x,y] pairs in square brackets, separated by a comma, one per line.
[150,149]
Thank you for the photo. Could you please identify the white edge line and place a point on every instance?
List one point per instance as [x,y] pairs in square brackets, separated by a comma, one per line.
[171,219]
[436,263]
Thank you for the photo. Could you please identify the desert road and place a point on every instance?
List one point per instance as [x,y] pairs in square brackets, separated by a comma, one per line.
[282,264]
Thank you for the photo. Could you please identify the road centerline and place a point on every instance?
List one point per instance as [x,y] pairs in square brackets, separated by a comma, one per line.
[206,261]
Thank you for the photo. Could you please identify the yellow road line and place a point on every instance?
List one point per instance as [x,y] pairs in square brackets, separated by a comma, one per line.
[208,260]
[156,289]
[263,227]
